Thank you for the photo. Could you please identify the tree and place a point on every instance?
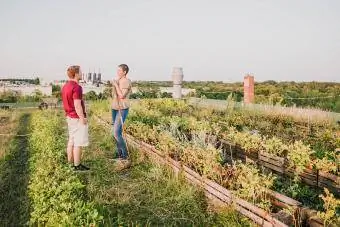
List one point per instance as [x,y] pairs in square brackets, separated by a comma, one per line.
[107,92]
[37,95]
[56,88]
[36,81]
[91,95]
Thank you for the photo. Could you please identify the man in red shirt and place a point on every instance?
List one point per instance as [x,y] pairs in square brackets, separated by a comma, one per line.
[72,96]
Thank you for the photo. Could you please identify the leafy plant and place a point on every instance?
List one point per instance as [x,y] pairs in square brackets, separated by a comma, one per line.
[298,156]
[57,194]
[330,215]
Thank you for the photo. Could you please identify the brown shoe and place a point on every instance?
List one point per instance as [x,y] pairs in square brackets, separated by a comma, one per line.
[126,162]
[122,164]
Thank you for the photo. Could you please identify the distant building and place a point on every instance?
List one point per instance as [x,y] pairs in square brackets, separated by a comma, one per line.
[28,89]
[93,78]
[97,90]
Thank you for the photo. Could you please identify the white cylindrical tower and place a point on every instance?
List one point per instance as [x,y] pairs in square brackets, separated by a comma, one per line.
[177,78]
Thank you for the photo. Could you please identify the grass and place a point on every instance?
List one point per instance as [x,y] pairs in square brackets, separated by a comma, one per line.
[14,174]
[146,194]
[57,194]
[8,123]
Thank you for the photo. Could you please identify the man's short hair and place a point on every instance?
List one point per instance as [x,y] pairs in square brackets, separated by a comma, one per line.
[124,67]
[72,71]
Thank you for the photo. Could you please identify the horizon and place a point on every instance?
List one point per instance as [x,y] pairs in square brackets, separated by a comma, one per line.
[185,81]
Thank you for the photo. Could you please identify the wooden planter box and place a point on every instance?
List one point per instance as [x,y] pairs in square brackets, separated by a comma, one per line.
[223,197]
[212,190]
[279,165]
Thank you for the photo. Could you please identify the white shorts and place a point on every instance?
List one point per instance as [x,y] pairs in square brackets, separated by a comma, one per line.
[78,133]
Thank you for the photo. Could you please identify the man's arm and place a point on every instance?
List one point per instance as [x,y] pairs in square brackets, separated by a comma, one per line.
[114,89]
[77,97]
[80,111]
[122,92]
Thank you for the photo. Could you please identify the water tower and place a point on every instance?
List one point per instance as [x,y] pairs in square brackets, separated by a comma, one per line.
[177,78]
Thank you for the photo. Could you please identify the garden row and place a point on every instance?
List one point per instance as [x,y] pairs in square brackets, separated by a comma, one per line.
[57,194]
[298,154]
[195,149]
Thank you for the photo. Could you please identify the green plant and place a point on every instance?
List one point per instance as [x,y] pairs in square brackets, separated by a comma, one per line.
[57,194]
[298,157]
[250,184]
[330,215]
[274,146]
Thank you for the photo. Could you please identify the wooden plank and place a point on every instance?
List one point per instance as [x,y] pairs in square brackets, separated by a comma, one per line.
[309,171]
[329,176]
[305,175]
[333,189]
[260,221]
[256,219]
[271,161]
[328,181]
[260,212]
[285,199]
[272,157]
[272,167]
[308,181]
[279,204]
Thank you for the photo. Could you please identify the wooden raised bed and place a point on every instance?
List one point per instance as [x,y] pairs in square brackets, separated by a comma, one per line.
[280,165]
[214,191]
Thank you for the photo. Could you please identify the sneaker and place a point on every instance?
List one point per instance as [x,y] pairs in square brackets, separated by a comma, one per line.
[81,167]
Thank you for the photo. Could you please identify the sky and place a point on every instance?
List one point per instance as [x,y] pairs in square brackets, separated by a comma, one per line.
[221,40]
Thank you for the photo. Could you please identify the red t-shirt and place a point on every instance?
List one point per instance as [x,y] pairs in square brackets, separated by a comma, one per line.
[71,91]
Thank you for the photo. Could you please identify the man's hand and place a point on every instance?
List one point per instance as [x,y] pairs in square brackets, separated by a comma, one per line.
[83,121]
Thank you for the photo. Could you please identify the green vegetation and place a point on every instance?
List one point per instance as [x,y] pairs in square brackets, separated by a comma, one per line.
[38,187]
[14,97]
[190,135]
[321,95]
[14,173]
[57,195]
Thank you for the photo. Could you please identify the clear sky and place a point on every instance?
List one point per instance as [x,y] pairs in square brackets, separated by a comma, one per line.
[212,40]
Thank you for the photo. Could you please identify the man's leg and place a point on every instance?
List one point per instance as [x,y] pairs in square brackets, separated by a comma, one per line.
[80,140]
[70,151]
[70,143]
[76,155]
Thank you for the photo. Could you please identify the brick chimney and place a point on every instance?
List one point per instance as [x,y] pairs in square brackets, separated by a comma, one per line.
[248,89]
